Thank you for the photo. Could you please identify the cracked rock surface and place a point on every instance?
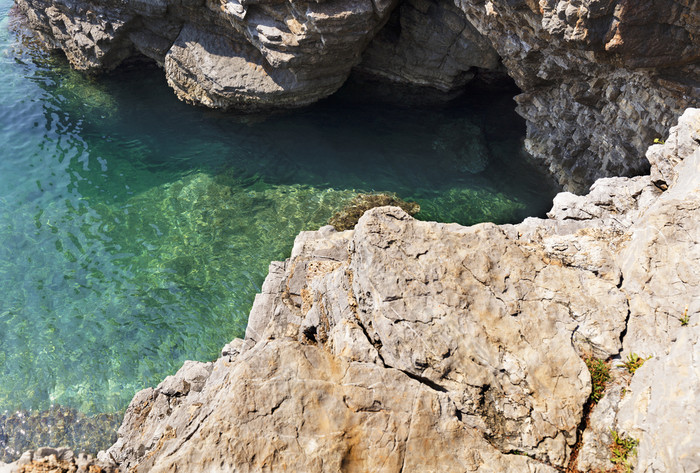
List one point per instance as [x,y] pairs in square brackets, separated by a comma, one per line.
[428,43]
[404,345]
[601,79]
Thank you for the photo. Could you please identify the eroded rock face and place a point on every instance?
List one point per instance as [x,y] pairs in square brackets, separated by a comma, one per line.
[415,346]
[600,79]
[317,412]
[219,53]
[666,388]
[428,43]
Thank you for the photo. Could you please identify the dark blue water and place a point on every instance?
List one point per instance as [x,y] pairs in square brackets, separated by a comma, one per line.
[135,230]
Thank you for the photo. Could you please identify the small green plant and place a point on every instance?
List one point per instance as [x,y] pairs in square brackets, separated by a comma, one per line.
[622,449]
[600,374]
[659,141]
[685,320]
[634,362]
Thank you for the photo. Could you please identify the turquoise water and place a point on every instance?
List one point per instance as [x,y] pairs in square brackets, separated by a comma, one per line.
[135,230]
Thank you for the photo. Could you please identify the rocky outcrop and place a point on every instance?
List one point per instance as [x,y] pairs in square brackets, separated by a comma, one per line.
[666,388]
[428,43]
[415,346]
[600,80]
[219,53]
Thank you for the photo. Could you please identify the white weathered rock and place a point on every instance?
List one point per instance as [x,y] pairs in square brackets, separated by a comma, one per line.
[287,404]
[415,346]
[190,377]
[493,326]
[661,263]
[661,408]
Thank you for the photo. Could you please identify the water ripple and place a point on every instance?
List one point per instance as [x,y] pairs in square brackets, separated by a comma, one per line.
[136,230]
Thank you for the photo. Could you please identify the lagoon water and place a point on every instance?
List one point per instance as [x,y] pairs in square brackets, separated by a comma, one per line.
[135,230]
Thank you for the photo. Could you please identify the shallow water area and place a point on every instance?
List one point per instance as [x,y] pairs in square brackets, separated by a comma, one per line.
[135,230]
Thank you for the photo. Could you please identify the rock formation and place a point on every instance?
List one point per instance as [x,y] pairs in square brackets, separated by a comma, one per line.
[428,43]
[219,53]
[55,460]
[347,217]
[415,346]
[412,346]
[600,80]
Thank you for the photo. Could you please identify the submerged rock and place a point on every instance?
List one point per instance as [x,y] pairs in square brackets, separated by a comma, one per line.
[347,218]
[415,346]
[464,144]
[22,430]
[56,460]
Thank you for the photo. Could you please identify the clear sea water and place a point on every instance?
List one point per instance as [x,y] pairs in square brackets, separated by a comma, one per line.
[135,230]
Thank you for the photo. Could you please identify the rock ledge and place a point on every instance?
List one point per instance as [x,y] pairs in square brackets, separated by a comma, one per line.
[415,346]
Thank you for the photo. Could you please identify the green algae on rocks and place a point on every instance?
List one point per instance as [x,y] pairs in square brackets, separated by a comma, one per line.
[347,218]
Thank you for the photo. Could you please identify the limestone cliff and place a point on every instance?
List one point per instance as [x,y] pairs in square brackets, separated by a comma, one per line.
[600,79]
[404,345]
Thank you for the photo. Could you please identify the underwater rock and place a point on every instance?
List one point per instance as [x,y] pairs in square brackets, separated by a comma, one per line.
[22,430]
[463,142]
[347,218]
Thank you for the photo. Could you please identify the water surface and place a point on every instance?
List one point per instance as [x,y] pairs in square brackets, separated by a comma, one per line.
[135,230]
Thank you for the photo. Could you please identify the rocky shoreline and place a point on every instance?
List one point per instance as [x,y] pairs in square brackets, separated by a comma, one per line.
[404,345]
[413,346]
[600,80]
